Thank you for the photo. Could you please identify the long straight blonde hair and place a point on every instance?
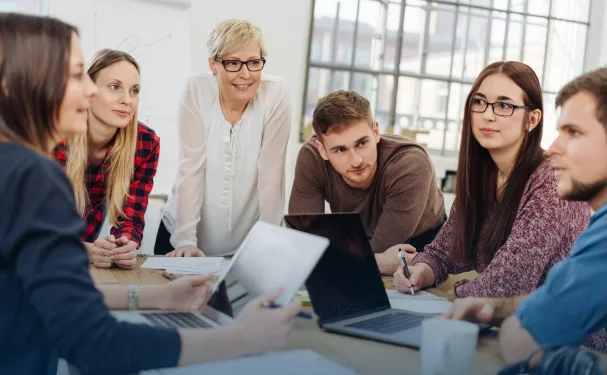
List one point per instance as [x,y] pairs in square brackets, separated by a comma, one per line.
[120,161]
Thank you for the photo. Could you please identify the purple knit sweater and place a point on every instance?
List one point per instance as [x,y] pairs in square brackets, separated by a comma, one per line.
[543,233]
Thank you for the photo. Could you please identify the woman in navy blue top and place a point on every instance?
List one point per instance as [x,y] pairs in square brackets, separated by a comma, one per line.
[50,307]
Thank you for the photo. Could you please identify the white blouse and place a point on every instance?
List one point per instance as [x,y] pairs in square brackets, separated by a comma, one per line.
[228,177]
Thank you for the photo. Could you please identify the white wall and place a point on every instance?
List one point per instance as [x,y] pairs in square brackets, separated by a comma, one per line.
[285,25]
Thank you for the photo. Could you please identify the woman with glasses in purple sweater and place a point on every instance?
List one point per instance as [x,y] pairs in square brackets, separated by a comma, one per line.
[507,221]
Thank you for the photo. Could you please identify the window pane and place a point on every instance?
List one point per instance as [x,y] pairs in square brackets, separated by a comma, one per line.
[515,38]
[339,80]
[21,6]
[383,104]
[365,85]
[371,35]
[539,7]
[433,99]
[500,4]
[550,119]
[407,102]
[457,101]
[471,43]
[318,86]
[565,57]
[571,9]
[333,31]
[8,6]
[440,37]
[371,86]
[389,53]
[433,108]
[498,36]
[535,44]
[413,31]
[428,107]
[483,3]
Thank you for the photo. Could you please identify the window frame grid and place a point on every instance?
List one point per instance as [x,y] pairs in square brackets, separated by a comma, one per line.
[449,79]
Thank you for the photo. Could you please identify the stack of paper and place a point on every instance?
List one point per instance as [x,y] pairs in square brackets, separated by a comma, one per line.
[422,302]
[187,266]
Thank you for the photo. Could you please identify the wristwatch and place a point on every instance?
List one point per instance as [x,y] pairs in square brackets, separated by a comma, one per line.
[133,297]
[457,284]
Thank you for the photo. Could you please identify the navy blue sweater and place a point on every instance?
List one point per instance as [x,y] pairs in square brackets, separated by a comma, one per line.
[49,306]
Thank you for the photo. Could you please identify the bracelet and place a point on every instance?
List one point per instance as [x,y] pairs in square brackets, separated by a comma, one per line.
[133,297]
[457,284]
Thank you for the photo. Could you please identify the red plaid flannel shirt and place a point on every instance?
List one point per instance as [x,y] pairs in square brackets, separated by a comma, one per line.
[146,162]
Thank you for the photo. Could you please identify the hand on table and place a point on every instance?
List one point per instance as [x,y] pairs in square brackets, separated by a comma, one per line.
[402,284]
[125,252]
[475,310]
[186,251]
[388,261]
[185,293]
[101,253]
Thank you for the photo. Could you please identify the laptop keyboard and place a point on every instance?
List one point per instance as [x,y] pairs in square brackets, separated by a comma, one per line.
[389,323]
[177,320]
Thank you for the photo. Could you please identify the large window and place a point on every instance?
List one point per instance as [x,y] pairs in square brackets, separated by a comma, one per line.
[415,60]
[22,6]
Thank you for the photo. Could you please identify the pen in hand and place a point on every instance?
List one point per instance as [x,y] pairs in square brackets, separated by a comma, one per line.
[406,269]
[272,305]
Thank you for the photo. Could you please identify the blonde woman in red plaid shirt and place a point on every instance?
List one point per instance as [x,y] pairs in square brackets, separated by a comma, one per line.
[112,167]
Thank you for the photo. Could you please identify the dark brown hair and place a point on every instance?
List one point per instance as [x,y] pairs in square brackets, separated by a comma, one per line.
[476,183]
[595,83]
[338,110]
[34,68]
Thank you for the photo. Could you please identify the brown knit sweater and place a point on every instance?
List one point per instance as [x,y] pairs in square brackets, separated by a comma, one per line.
[402,202]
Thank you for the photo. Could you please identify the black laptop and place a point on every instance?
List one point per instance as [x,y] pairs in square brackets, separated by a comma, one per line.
[346,288]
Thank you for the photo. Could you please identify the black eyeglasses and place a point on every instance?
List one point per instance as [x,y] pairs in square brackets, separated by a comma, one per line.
[253,65]
[502,109]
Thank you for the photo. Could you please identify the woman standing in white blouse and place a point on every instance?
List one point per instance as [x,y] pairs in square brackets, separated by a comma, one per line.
[234,127]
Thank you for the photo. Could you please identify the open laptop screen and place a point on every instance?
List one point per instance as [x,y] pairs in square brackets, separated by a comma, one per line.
[346,281]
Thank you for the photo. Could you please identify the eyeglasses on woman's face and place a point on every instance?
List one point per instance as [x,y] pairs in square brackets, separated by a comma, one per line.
[479,105]
[254,65]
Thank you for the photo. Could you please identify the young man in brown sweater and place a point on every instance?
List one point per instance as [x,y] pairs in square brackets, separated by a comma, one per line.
[389,180]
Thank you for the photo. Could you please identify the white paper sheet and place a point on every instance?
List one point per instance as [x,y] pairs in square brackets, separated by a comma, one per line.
[294,362]
[422,302]
[185,266]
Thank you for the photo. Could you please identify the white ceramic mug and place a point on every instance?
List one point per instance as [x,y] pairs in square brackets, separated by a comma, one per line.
[448,346]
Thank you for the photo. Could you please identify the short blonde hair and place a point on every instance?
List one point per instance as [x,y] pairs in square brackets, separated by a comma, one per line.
[232,35]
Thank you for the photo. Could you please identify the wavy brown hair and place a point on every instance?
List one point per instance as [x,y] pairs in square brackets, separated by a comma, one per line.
[476,184]
[34,68]
[121,158]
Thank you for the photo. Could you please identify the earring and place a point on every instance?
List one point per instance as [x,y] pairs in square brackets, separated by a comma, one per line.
[530,130]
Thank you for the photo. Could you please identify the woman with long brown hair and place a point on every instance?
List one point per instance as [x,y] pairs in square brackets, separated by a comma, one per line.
[112,166]
[50,307]
[507,221]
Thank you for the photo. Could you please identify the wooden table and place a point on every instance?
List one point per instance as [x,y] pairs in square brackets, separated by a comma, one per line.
[364,356]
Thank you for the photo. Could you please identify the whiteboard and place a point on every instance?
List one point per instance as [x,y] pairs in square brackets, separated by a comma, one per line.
[157,34]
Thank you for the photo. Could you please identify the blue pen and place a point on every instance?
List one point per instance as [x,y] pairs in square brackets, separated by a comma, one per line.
[272,305]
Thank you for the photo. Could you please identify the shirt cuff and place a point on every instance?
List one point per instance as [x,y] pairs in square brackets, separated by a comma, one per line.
[186,243]
[125,233]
